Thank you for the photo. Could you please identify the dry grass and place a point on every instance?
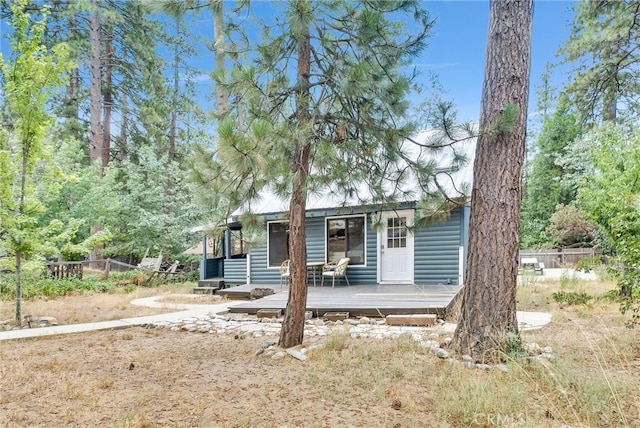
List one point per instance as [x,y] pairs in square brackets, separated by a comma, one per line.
[202,299]
[159,378]
[92,307]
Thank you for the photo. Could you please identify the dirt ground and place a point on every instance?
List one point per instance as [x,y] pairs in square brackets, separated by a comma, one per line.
[141,377]
[94,307]
[159,378]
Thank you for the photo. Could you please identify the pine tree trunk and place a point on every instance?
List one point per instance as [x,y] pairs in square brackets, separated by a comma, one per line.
[19,288]
[121,141]
[488,310]
[292,332]
[108,104]
[173,121]
[219,54]
[95,91]
[610,91]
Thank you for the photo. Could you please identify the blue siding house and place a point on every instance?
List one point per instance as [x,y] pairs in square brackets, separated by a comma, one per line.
[382,243]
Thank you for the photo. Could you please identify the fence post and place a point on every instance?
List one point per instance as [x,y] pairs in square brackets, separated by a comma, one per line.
[107,268]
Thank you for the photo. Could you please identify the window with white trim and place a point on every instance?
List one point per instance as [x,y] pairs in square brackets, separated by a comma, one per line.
[277,243]
[346,238]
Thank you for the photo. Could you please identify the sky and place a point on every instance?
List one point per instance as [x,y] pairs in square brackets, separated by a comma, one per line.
[457,48]
[455,52]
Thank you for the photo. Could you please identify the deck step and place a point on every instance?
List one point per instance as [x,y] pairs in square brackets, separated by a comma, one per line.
[336,316]
[212,282]
[205,290]
[269,313]
[412,320]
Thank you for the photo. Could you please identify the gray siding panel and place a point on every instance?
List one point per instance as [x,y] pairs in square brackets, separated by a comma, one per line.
[235,271]
[260,274]
[366,275]
[435,247]
[436,251]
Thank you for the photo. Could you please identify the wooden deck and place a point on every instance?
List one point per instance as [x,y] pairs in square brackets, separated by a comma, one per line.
[358,300]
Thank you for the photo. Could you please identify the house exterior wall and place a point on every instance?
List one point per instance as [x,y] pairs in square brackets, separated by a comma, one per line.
[235,271]
[262,274]
[437,258]
[437,251]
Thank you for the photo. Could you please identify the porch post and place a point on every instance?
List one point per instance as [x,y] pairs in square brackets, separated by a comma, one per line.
[203,261]
[248,268]
[227,244]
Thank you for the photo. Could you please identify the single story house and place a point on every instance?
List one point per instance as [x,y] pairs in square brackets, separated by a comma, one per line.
[380,241]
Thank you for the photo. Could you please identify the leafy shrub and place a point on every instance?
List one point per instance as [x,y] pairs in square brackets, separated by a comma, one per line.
[49,287]
[612,295]
[571,297]
[589,263]
[512,345]
[568,227]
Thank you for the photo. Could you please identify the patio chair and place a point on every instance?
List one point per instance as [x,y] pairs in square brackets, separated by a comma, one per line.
[284,273]
[335,270]
[165,274]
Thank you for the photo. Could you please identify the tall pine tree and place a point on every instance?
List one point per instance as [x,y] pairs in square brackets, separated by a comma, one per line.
[322,108]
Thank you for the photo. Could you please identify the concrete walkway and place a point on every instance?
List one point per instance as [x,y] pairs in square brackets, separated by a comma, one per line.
[526,320]
[186,311]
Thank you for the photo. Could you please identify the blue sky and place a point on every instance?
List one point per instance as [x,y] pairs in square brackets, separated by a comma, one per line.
[457,48]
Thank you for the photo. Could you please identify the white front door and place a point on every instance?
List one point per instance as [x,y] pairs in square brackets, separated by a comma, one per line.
[396,248]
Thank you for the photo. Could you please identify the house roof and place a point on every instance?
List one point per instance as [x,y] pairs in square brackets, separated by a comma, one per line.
[453,177]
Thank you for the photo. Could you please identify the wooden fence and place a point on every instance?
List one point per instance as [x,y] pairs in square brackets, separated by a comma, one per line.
[565,257]
[65,270]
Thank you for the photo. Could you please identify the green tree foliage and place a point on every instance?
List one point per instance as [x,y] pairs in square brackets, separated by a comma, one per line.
[603,46]
[545,184]
[320,108]
[568,228]
[30,77]
[611,198]
[147,126]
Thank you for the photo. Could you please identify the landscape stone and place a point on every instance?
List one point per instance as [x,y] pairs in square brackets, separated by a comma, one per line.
[532,348]
[430,344]
[240,324]
[297,354]
[47,321]
[278,355]
[258,293]
[442,353]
